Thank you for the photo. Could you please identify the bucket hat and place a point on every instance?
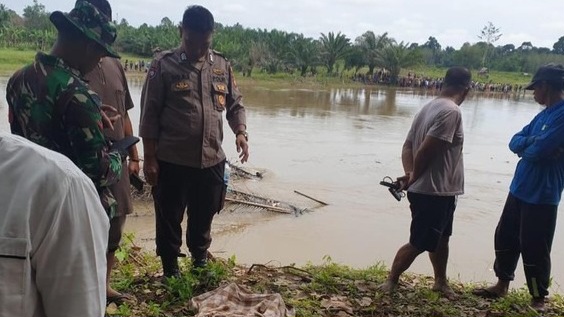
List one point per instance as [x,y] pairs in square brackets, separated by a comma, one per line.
[86,18]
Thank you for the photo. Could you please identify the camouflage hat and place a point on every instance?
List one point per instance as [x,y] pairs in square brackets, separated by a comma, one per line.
[89,21]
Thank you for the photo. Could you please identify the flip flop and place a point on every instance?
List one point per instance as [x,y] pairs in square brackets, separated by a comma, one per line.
[486,293]
[119,299]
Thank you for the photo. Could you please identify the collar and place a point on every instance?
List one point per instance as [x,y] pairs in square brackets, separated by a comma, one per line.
[183,59]
[53,61]
[554,106]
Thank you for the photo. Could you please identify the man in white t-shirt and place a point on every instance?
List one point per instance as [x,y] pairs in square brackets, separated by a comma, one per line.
[434,177]
[53,235]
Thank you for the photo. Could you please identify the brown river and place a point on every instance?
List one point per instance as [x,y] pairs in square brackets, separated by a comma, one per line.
[336,145]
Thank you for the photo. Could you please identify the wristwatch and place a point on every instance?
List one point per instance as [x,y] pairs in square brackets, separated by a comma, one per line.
[244,133]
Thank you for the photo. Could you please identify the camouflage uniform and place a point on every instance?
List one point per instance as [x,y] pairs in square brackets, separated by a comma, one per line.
[52,106]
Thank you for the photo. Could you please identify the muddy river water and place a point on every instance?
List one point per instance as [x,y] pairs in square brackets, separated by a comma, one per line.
[336,145]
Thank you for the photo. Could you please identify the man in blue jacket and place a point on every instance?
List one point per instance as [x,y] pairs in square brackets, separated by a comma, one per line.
[528,221]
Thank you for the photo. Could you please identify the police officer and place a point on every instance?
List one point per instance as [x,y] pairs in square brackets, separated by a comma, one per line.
[186,93]
[51,105]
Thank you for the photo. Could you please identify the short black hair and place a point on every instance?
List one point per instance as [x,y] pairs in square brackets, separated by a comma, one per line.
[458,77]
[103,6]
[198,19]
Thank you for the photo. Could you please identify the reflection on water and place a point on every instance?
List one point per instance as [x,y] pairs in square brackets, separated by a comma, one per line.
[336,145]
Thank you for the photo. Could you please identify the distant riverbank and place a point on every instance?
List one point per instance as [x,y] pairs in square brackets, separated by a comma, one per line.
[12,59]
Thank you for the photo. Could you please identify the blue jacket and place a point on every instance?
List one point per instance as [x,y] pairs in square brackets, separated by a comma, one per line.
[539,176]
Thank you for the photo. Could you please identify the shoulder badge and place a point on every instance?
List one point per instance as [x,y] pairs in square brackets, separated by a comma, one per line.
[152,71]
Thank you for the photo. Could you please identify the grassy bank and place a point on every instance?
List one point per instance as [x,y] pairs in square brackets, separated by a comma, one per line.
[329,289]
[12,59]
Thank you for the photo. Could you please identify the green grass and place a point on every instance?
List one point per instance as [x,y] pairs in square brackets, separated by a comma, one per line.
[13,59]
[313,290]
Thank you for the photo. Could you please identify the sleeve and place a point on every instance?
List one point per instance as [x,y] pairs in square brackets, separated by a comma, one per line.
[548,143]
[445,125]
[521,140]
[83,123]
[152,101]
[235,111]
[128,100]
[70,259]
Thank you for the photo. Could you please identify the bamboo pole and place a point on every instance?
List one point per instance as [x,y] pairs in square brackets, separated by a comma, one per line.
[316,200]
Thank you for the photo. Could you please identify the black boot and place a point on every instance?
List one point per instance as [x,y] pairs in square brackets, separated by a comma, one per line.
[170,266]
[200,260]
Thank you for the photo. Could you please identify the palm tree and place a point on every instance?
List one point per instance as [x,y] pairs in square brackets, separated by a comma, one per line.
[395,56]
[370,45]
[303,53]
[333,48]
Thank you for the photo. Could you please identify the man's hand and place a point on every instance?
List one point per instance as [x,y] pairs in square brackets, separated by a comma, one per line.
[151,170]
[133,167]
[404,181]
[108,120]
[242,147]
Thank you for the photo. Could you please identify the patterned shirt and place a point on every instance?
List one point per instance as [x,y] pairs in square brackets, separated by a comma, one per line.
[52,106]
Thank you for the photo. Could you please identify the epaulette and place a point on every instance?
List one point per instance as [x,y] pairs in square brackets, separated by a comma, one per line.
[219,53]
[162,54]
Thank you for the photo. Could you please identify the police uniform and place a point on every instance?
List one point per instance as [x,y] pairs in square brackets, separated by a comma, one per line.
[182,109]
[109,82]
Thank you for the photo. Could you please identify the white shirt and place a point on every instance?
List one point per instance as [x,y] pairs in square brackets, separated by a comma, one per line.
[53,235]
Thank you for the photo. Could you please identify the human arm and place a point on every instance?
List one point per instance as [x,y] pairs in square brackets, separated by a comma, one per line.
[91,153]
[150,164]
[547,144]
[236,117]
[407,162]
[521,140]
[152,99]
[430,149]
[133,165]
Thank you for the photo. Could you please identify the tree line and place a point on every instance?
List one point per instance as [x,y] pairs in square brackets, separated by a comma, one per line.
[275,51]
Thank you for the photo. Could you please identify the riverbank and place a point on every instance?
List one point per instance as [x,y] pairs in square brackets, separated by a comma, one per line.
[12,59]
[329,289]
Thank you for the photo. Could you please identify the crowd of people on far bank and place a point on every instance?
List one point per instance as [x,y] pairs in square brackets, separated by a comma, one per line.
[413,80]
[137,66]
[66,169]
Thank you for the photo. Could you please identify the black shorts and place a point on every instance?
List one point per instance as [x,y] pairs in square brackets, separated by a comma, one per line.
[431,219]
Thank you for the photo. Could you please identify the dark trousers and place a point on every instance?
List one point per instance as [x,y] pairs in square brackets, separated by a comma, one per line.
[527,230]
[200,192]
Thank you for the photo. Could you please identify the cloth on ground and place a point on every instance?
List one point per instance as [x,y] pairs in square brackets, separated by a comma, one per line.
[231,300]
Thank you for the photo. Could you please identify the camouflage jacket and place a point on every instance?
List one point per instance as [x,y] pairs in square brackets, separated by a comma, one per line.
[52,106]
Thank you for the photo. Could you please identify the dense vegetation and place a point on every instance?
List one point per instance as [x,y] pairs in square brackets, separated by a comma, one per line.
[276,51]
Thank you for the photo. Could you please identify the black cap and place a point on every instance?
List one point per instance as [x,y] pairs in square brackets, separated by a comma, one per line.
[549,72]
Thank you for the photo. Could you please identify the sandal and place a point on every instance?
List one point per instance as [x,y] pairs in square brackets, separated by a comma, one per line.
[119,299]
[486,293]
